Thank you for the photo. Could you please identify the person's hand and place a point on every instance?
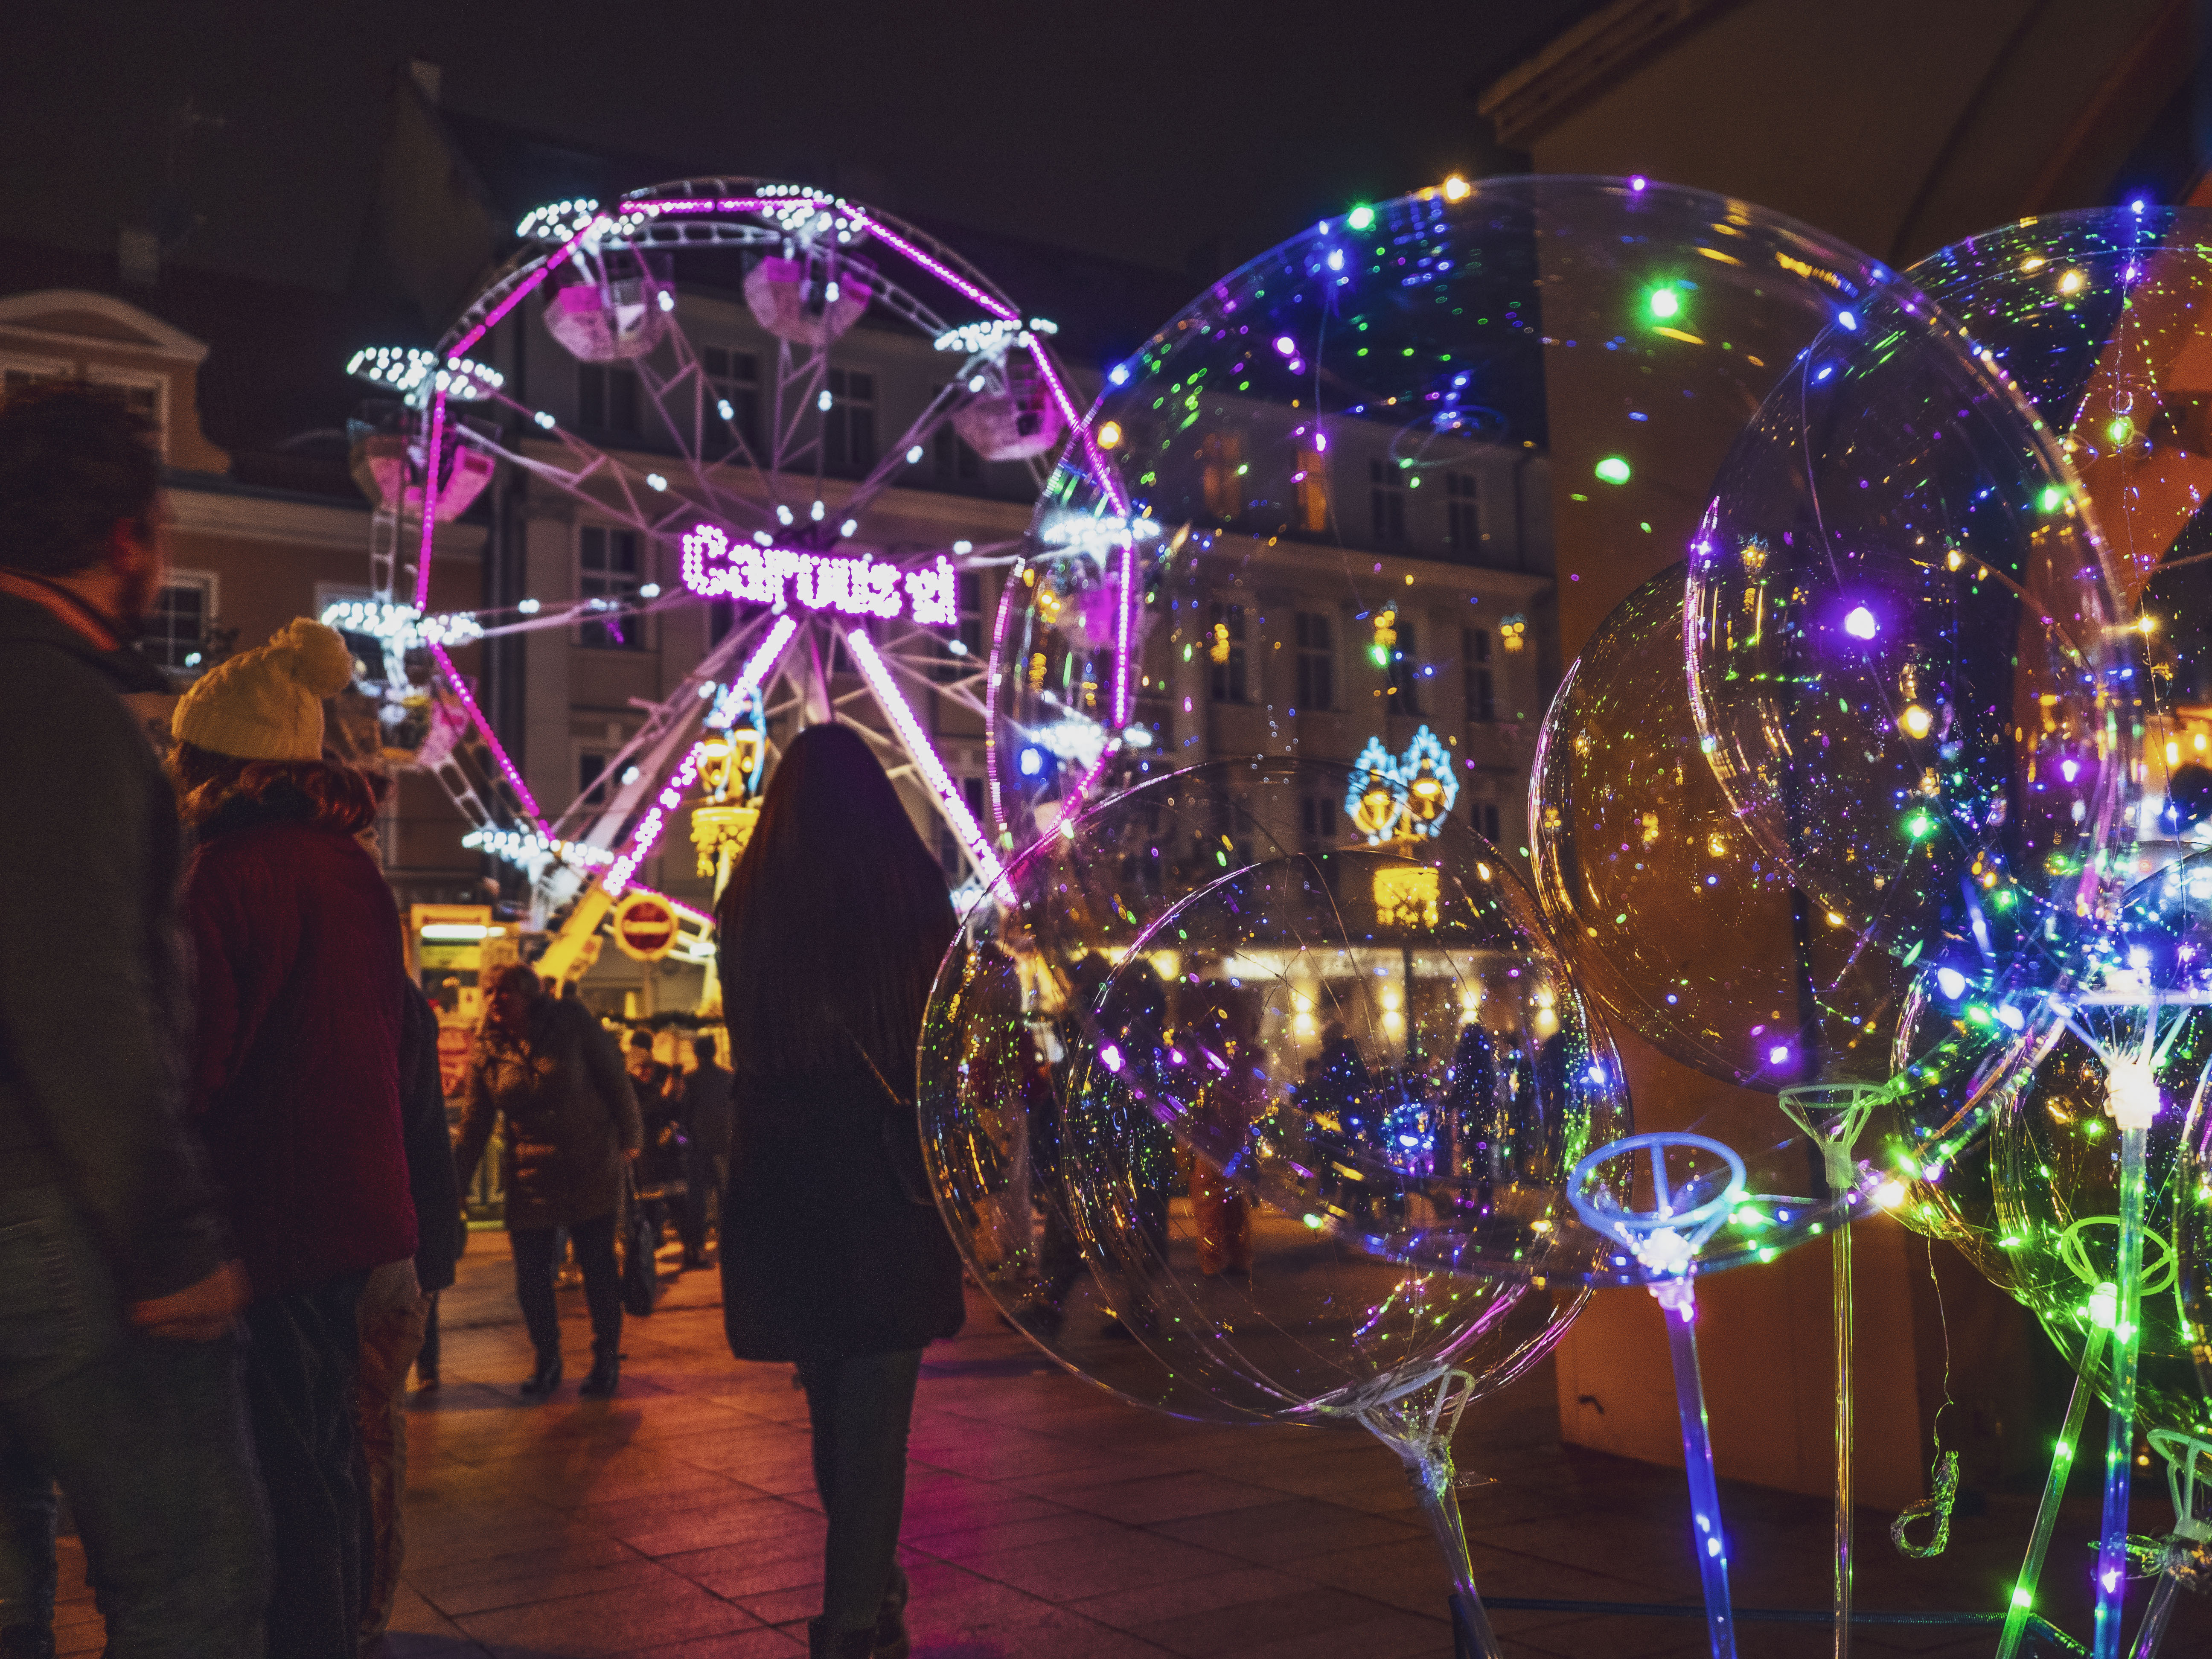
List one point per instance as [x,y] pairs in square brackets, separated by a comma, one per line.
[392,1291]
[198,1313]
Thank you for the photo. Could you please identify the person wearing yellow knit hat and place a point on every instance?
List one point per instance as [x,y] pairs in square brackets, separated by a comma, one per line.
[296,1087]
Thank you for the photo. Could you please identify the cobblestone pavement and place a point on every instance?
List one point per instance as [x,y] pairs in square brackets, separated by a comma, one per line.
[1046,1518]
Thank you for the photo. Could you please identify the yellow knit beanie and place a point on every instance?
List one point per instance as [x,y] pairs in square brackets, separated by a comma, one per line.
[267,704]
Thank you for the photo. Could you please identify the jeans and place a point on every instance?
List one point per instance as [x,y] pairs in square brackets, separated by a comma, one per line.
[426,1358]
[704,1174]
[149,1438]
[301,1371]
[389,1344]
[860,1409]
[594,1243]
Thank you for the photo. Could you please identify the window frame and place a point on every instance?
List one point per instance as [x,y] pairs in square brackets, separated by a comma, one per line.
[1232,675]
[635,636]
[209,584]
[1314,659]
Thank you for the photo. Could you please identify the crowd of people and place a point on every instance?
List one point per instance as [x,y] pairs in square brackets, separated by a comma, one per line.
[228,1195]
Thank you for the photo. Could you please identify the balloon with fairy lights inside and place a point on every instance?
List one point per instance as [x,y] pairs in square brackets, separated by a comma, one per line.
[1262,532]
[733,471]
[1351,1057]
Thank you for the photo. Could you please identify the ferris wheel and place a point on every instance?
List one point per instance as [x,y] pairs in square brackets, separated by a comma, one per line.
[748,478]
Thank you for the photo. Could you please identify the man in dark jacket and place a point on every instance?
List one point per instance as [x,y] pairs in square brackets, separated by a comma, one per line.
[119,1368]
[705,1117]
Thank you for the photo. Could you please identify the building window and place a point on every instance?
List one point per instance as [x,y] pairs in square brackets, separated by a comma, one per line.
[1225,647]
[1386,499]
[733,383]
[1221,475]
[848,426]
[609,567]
[1402,673]
[591,777]
[956,463]
[1311,480]
[606,399]
[1463,524]
[178,627]
[1486,820]
[1316,669]
[964,650]
[1318,820]
[1475,658]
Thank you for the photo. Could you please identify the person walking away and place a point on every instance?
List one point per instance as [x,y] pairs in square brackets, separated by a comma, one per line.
[549,1068]
[295,1085]
[118,1361]
[1228,1104]
[706,1123]
[833,1254]
[659,1163]
[392,1334]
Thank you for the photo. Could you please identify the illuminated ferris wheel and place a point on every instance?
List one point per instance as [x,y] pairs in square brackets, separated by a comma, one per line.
[744,469]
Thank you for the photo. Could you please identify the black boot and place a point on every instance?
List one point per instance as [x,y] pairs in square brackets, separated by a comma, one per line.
[891,1639]
[542,1381]
[822,1643]
[605,1378]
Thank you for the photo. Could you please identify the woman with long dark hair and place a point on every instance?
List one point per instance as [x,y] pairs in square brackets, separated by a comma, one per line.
[833,1256]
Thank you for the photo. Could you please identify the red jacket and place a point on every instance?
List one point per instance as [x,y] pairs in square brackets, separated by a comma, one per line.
[295,1083]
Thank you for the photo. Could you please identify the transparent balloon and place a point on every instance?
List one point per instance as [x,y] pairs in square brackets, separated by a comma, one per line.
[2097,316]
[1094,1221]
[1904,658]
[1532,367]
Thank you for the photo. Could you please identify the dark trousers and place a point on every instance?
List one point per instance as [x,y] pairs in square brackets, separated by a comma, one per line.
[148,1437]
[302,1369]
[426,1359]
[703,1176]
[594,1243]
[860,1409]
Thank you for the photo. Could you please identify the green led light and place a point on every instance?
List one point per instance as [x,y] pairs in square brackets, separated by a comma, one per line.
[1360,217]
[1665,303]
[2120,430]
[1920,826]
[2021,1597]
[1612,470]
[2052,496]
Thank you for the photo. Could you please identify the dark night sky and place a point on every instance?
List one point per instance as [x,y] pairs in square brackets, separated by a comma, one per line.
[1145,130]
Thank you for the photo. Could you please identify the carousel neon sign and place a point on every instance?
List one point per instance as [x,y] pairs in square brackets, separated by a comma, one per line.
[855,585]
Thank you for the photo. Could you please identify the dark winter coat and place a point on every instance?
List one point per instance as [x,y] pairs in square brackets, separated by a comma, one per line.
[296,1081]
[94,1006]
[823,1256]
[570,1117]
[442,1234]
[706,1108]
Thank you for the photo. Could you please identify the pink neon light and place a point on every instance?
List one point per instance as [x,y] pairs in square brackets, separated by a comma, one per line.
[1123,605]
[655,823]
[484,730]
[529,285]
[755,671]
[714,566]
[991,703]
[950,278]
[430,501]
[918,749]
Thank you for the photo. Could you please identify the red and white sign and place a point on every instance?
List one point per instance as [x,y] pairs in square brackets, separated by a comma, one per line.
[645,927]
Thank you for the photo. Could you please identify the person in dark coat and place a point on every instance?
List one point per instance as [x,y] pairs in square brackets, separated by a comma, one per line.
[834,1256]
[296,1088]
[119,1355]
[705,1118]
[549,1068]
[391,1337]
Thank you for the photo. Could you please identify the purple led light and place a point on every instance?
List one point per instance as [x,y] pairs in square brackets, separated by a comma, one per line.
[491,739]
[997,307]
[430,501]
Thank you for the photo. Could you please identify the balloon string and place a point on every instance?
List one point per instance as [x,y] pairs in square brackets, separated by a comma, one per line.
[1840,1250]
[1680,1308]
[2022,1606]
[2119,1440]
